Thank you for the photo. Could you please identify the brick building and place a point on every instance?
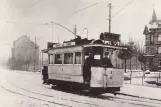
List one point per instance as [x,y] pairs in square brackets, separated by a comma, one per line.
[152,34]
[25,54]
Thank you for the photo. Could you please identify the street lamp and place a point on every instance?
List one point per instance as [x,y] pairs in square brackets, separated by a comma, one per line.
[87,31]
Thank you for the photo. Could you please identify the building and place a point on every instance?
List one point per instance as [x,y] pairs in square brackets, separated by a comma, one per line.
[152,34]
[25,54]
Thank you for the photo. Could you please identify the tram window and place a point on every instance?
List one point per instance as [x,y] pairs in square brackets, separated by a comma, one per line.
[68,58]
[78,58]
[58,58]
[50,59]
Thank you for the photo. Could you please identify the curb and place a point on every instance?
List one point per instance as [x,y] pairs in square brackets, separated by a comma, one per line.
[156,86]
[138,96]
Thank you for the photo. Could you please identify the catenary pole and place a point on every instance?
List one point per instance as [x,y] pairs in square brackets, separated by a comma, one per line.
[35,54]
[109,17]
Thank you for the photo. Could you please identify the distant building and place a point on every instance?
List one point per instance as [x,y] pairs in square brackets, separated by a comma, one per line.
[152,34]
[25,54]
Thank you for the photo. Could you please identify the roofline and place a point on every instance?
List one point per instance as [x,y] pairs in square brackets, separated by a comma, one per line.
[88,45]
[148,55]
[27,38]
[108,46]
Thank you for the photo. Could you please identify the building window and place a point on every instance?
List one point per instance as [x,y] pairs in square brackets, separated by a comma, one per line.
[159,37]
[151,38]
[58,58]
[78,58]
[68,58]
[159,63]
[159,25]
[147,49]
[159,49]
[50,59]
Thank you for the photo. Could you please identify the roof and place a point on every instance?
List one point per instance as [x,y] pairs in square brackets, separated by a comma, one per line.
[146,30]
[154,22]
[104,45]
[149,55]
[24,36]
[154,16]
[89,45]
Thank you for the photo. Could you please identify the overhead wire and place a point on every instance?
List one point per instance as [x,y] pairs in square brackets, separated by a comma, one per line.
[33,5]
[85,8]
[15,22]
[122,8]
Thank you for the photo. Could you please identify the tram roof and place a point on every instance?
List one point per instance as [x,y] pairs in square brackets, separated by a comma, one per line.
[89,45]
[104,45]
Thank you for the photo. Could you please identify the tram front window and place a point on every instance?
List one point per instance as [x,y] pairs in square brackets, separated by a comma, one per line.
[95,53]
[104,57]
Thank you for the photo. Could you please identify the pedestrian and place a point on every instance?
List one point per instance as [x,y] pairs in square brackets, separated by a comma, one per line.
[45,75]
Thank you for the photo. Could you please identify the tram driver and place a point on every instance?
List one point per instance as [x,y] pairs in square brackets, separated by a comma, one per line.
[87,68]
[106,61]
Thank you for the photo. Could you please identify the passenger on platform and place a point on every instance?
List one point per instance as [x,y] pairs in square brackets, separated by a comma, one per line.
[107,61]
[87,69]
[45,75]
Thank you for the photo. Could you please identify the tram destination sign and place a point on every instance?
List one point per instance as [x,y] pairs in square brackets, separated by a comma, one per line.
[110,36]
[64,44]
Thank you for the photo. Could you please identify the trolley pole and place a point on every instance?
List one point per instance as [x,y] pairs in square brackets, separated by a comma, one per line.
[109,17]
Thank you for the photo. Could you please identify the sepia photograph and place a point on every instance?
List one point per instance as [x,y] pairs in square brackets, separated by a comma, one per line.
[80,53]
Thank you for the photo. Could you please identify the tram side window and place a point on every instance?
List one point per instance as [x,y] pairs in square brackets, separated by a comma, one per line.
[50,59]
[68,58]
[58,58]
[78,58]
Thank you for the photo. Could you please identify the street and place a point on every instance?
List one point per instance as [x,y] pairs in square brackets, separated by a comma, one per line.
[25,89]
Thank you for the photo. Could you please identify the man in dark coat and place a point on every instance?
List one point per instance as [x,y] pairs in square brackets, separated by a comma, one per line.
[87,69]
[107,61]
[45,74]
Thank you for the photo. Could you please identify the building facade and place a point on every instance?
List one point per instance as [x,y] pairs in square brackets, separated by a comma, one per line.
[152,34]
[25,54]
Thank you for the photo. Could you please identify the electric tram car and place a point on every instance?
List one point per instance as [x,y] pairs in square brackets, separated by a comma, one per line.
[66,63]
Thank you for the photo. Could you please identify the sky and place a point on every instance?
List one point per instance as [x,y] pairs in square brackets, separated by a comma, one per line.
[33,18]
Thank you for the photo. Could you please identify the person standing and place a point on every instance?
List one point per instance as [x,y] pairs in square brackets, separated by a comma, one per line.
[87,69]
[107,61]
[44,74]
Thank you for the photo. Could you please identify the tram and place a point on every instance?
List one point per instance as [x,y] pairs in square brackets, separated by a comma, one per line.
[66,62]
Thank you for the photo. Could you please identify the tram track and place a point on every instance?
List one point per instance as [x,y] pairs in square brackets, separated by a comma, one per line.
[49,96]
[120,97]
[33,97]
[131,99]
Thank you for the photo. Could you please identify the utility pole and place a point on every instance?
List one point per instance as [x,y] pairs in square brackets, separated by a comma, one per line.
[52,30]
[109,17]
[87,31]
[40,60]
[75,31]
[35,54]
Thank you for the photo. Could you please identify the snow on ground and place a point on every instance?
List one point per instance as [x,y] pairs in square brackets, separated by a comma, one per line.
[30,85]
[142,91]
